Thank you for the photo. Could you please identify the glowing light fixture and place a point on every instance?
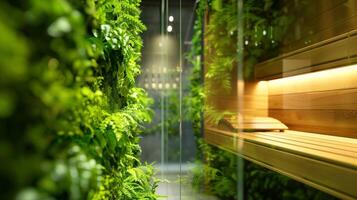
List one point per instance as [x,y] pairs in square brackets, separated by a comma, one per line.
[153,85]
[169,28]
[171,18]
[330,78]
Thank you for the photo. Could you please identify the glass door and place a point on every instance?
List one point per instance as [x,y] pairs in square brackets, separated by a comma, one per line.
[163,77]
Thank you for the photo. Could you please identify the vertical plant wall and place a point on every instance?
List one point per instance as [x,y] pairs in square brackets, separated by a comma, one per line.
[216,171]
[70,114]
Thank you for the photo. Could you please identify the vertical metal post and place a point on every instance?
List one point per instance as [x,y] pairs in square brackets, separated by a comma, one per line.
[162,29]
[180,88]
[202,57]
[240,92]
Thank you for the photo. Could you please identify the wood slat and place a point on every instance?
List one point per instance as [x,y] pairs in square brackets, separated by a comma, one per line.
[341,140]
[293,135]
[255,100]
[327,171]
[322,102]
[316,141]
[321,146]
[317,153]
[231,102]
[330,51]
[328,22]
[344,99]
[335,122]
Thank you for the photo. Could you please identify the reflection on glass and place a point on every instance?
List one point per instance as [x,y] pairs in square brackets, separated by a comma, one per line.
[247,116]
[267,93]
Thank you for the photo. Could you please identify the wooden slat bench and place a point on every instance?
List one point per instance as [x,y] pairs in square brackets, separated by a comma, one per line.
[328,163]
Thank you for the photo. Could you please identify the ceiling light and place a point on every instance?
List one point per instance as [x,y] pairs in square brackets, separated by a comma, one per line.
[171,18]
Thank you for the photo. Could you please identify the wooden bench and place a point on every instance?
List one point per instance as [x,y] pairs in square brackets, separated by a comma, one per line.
[328,163]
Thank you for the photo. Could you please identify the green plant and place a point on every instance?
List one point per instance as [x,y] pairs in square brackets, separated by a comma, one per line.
[169,103]
[195,99]
[265,24]
[71,113]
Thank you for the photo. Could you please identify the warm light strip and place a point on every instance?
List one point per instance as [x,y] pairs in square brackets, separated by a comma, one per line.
[323,73]
[330,79]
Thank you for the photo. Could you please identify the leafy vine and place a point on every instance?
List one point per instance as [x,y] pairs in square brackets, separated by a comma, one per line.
[73,114]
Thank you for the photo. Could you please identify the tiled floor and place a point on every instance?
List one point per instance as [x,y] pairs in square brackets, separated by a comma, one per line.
[170,189]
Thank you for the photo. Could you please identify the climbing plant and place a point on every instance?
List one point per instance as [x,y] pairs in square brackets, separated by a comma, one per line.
[70,113]
[194,101]
[264,27]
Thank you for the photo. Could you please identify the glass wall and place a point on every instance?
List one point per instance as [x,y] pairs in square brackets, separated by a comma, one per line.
[277,120]
[169,140]
[254,99]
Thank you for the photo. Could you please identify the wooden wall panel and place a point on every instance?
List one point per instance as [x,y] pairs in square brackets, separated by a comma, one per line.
[331,53]
[332,122]
[319,20]
[321,102]
[255,101]
[344,99]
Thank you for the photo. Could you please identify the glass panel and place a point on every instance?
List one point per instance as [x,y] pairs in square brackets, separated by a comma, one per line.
[222,170]
[293,107]
[244,105]
[164,75]
[266,86]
